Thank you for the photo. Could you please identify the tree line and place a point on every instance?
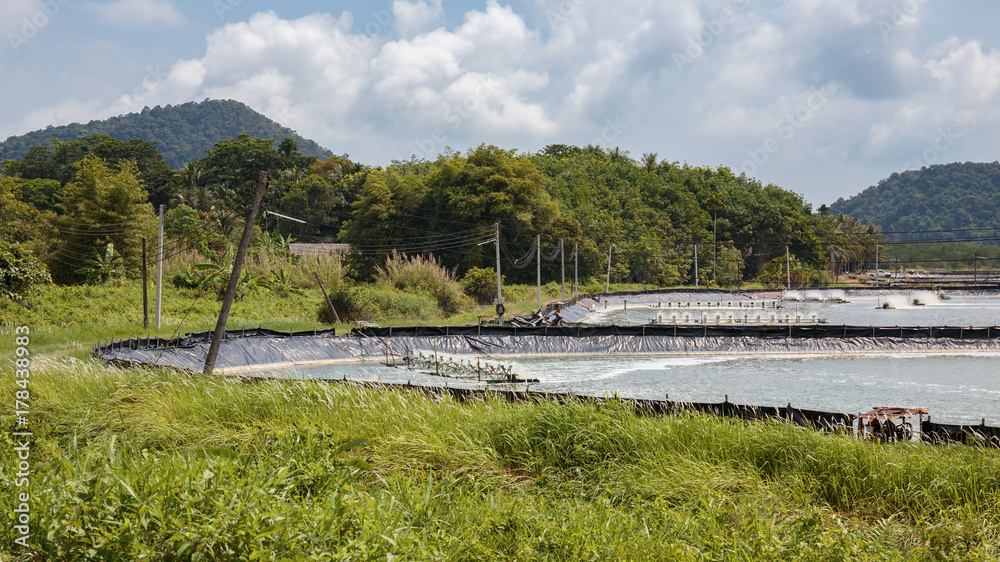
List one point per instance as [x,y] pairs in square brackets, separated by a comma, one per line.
[64,205]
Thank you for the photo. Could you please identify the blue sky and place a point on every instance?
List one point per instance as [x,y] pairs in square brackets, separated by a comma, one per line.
[822,97]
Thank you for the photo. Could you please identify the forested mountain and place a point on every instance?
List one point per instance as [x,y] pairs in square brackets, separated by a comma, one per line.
[181,133]
[940,197]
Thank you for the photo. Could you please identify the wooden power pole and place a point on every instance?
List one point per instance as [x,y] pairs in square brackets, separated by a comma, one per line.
[145,283]
[227,301]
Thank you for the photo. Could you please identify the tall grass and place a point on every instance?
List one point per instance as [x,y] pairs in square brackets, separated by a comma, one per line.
[149,463]
[423,275]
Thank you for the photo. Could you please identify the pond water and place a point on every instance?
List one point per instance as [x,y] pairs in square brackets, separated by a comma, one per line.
[860,310]
[959,388]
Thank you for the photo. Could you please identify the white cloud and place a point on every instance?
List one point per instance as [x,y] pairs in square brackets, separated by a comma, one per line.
[71,110]
[395,80]
[129,13]
[14,14]
[413,18]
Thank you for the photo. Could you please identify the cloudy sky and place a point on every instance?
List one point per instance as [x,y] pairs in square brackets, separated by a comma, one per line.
[822,97]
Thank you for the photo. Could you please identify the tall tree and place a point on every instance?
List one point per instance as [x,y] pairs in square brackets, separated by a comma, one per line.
[232,166]
[485,186]
[102,206]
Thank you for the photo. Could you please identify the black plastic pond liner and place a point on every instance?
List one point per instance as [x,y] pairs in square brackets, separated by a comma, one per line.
[694,330]
[969,434]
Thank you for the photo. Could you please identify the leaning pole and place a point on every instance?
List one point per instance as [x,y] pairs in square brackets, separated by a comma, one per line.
[227,302]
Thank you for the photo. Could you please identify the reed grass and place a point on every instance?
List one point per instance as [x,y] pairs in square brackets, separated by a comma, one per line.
[152,464]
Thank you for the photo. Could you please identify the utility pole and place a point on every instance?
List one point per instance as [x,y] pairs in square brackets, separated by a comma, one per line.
[227,301]
[607,283]
[576,271]
[538,256]
[562,258]
[876,265]
[788,268]
[715,253]
[145,282]
[695,266]
[159,271]
[496,240]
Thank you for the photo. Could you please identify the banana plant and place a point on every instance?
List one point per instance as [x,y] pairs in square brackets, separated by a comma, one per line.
[101,268]
[281,283]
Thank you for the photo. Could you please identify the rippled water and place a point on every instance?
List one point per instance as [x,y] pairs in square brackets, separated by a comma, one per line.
[960,388]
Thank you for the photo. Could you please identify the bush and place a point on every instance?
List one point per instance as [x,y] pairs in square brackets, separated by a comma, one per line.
[377,304]
[423,275]
[481,284]
[19,271]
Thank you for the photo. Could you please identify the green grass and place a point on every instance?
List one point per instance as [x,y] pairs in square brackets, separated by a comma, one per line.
[148,464]
[69,320]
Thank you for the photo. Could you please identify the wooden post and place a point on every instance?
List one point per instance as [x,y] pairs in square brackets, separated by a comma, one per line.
[145,282]
[227,301]
[328,301]
[159,271]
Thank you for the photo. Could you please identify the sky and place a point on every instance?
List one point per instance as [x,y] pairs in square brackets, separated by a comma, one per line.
[821,97]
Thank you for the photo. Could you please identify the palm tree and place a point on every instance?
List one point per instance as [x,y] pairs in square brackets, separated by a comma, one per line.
[188,183]
[649,161]
[850,241]
[618,155]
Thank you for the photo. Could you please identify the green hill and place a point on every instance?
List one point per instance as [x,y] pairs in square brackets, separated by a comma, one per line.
[181,132]
[940,197]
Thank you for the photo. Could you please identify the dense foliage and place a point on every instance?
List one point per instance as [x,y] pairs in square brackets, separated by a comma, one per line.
[102,207]
[19,271]
[42,166]
[651,216]
[181,132]
[940,197]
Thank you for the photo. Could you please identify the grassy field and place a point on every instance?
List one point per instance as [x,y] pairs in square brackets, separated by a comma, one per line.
[149,464]
[146,464]
[69,320]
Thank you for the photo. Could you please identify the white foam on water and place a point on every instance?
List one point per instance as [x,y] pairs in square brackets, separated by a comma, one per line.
[895,301]
[925,298]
